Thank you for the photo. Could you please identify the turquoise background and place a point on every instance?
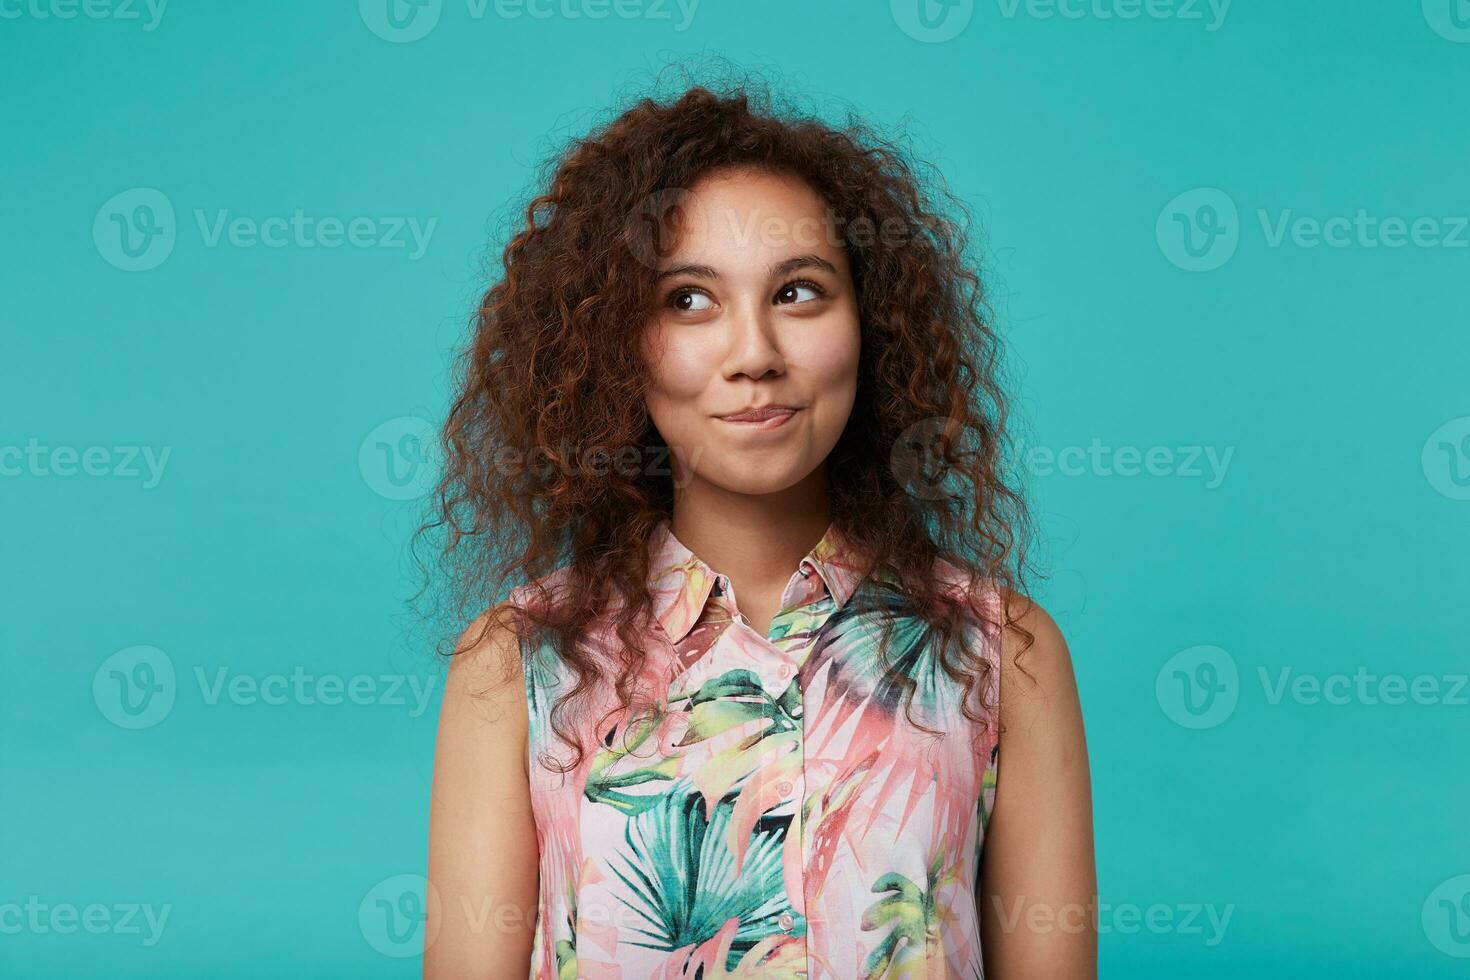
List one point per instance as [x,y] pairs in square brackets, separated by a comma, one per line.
[274,541]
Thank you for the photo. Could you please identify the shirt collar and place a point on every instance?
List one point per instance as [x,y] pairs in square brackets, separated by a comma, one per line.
[680,582]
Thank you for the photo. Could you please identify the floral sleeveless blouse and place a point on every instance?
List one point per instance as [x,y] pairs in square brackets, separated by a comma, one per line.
[779,817]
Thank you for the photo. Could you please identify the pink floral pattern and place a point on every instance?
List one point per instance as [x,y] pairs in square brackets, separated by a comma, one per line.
[778,816]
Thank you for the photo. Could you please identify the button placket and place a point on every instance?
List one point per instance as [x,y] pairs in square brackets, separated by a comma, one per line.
[792,789]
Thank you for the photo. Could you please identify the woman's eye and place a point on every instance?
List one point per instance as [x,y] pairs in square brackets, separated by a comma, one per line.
[690,301]
[799,292]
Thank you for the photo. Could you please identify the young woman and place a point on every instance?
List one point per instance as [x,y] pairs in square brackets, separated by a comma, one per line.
[756,706]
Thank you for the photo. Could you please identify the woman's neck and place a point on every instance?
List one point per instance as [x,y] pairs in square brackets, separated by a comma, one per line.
[757,541]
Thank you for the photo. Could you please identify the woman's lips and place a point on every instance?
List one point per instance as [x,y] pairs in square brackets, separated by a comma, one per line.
[761,418]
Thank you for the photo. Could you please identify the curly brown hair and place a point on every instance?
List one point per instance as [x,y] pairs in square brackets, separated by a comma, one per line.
[552,374]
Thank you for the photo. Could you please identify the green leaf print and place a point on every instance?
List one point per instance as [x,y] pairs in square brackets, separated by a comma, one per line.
[566,949]
[912,916]
[731,684]
[566,960]
[733,699]
[680,876]
[604,781]
[852,640]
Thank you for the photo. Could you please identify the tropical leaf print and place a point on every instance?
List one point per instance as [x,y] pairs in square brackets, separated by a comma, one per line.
[785,811]
[566,960]
[607,778]
[773,958]
[913,917]
[733,700]
[851,642]
[680,878]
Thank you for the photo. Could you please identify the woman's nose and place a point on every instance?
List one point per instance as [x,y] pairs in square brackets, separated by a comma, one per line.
[754,348]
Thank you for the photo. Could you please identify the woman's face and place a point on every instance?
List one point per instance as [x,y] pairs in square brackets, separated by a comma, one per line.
[755,311]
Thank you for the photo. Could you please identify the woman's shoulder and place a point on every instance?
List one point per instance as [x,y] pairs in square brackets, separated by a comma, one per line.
[486,658]
[1016,624]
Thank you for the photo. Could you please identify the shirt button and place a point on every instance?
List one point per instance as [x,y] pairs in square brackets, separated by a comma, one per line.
[784,787]
[786,922]
[784,671]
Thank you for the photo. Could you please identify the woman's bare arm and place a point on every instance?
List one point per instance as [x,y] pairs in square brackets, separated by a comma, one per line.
[482,838]
[1039,879]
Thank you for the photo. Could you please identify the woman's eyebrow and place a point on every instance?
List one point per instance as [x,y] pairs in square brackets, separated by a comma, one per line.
[782,268]
[788,266]
[688,269]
